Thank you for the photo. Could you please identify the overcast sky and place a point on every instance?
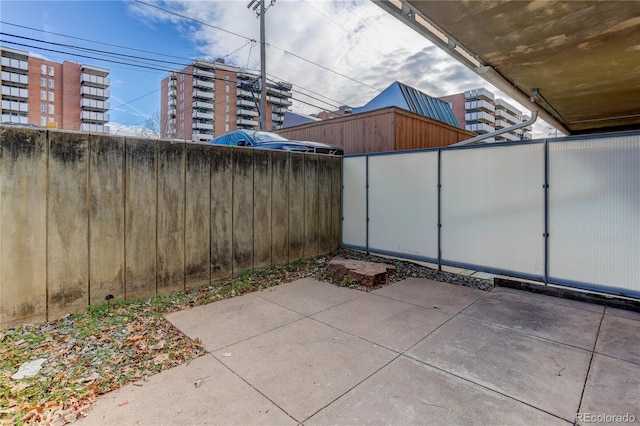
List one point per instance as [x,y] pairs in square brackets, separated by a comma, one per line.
[333,52]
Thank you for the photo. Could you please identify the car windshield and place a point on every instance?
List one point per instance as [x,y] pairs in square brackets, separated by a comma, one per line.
[267,137]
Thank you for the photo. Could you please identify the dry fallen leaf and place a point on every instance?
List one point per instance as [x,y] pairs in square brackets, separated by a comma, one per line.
[161,344]
[227,354]
[121,403]
[197,383]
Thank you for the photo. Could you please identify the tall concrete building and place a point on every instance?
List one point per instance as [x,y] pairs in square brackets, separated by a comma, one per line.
[210,98]
[65,95]
[479,111]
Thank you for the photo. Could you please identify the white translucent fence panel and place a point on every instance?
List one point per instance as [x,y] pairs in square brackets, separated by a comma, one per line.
[354,202]
[493,208]
[594,213]
[403,204]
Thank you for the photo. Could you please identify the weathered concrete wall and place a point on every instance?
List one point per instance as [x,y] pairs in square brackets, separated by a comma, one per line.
[221,213]
[197,215]
[23,226]
[296,206]
[85,218]
[262,238]
[170,224]
[140,215]
[106,218]
[67,224]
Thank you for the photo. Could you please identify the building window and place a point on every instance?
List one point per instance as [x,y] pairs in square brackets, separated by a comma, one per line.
[227,89]
[43,69]
[226,108]
[226,118]
[43,121]
[43,95]
[50,119]
[43,108]
[226,77]
[51,84]
[51,97]
[51,109]
[227,98]
[226,127]
[43,82]
[51,70]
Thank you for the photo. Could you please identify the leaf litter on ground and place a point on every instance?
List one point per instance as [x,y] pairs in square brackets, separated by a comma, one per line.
[126,341]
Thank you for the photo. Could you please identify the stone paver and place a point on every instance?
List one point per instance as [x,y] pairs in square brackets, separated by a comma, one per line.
[171,398]
[430,294]
[390,323]
[305,365]
[407,392]
[564,324]
[544,374]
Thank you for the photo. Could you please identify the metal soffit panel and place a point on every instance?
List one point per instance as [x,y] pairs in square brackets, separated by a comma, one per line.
[580,60]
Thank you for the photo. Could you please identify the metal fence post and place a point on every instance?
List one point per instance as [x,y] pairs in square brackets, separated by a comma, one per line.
[545,187]
[439,210]
[366,172]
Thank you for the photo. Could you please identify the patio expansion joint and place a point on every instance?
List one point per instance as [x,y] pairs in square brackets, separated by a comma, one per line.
[315,313]
[354,386]
[485,387]
[254,388]
[593,352]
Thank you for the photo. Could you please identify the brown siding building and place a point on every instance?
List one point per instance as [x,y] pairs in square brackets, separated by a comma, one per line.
[66,95]
[385,129]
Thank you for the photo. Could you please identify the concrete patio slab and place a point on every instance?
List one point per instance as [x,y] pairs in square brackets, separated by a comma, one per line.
[390,323]
[276,366]
[613,388]
[620,338]
[231,321]
[407,392]
[308,296]
[171,398]
[623,313]
[429,294]
[560,323]
[549,299]
[305,365]
[544,374]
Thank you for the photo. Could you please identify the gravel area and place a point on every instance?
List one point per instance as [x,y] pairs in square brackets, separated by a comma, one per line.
[406,269]
[120,342]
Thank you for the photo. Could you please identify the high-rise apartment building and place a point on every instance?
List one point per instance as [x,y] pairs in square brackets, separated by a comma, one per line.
[210,98]
[479,111]
[65,95]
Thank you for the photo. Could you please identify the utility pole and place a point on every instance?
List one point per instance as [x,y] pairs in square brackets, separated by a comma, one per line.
[263,59]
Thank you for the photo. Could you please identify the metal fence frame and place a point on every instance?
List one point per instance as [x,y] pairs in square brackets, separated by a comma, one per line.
[545,277]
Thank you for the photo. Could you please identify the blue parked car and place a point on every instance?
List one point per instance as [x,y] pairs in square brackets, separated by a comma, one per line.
[268,140]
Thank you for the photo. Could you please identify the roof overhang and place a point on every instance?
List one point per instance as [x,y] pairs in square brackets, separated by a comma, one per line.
[575,62]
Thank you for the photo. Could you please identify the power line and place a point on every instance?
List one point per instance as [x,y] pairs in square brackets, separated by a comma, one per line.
[91,41]
[342,27]
[268,44]
[145,66]
[194,20]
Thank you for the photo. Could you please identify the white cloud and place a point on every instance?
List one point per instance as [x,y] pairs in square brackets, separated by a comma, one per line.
[353,38]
